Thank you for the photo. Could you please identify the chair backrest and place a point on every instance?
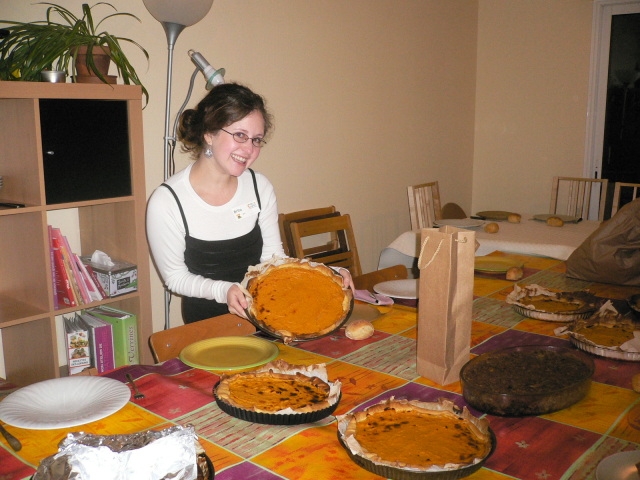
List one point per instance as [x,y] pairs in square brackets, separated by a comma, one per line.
[285,219]
[346,255]
[624,193]
[424,205]
[366,281]
[167,344]
[453,210]
[572,196]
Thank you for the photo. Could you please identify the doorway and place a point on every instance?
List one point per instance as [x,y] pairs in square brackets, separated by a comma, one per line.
[613,135]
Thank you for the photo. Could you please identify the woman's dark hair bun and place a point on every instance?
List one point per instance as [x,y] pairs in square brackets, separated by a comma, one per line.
[225,104]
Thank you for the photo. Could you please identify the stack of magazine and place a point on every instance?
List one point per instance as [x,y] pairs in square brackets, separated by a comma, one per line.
[102,337]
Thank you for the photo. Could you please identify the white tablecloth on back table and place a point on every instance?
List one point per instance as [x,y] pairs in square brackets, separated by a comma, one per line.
[529,237]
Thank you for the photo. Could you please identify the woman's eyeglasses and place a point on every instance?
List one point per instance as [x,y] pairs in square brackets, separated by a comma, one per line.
[243,137]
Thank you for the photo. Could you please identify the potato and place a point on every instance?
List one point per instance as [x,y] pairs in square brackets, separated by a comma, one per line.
[514,218]
[491,227]
[514,273]
[555,222]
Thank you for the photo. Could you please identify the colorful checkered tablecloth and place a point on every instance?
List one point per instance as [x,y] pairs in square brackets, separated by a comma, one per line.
[565,445]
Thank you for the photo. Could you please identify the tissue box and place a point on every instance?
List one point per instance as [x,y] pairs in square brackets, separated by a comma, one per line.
[119,279]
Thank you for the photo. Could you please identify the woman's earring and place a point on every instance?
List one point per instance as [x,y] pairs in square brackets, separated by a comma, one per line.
[208,152]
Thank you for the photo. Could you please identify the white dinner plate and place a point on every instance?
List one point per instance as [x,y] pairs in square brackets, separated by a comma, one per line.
[460,222]
[406,288]
[64,402]
[620,466]
[542,217]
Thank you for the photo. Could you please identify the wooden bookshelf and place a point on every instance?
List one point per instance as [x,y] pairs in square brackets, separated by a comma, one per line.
[114,225]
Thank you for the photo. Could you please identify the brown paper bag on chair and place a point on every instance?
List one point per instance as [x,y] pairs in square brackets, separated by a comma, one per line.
[446,266]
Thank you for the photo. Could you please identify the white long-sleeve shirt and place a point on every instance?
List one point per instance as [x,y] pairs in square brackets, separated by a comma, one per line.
[166,232]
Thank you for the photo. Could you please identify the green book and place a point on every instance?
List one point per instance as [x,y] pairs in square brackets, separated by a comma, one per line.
[125,333]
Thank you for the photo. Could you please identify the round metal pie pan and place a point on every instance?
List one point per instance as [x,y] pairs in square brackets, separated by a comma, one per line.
[397,473]
[552,317]
[612,353]
[545,394]
[274,418]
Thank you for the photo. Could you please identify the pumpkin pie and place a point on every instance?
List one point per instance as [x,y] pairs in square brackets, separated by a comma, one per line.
[296,299]
[416,436]
[278,389]
[538,302]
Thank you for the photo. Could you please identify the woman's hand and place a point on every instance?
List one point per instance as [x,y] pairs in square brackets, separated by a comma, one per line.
[236,301]
[347,280]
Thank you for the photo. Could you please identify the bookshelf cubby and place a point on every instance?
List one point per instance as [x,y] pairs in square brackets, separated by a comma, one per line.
[114,225]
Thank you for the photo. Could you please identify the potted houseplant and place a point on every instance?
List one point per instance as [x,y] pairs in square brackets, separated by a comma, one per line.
[55,44]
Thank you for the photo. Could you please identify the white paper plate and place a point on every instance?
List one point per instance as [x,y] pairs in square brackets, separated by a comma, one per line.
[620,466]
[406,288]
[64,402]
[542,217]
[460,222]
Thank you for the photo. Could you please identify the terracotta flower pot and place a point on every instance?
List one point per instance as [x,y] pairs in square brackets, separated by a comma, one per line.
[101,59]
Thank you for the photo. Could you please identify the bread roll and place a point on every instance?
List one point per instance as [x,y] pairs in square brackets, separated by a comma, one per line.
[514,218]
[491,228]
[359,330]
[514,273]
[555,221]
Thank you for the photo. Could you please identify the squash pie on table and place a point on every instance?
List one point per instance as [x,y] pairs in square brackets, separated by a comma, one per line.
[410,439]
[279,394]
[607,333]
[537,302]
[296,299]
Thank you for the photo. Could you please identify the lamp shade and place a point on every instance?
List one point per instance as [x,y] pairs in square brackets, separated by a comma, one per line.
[182,12]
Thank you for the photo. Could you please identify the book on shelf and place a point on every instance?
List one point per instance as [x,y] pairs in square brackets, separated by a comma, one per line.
[59,240]
[92,288]
[95,279]
[52,263]
[100,341]
[73,283]
[77,275]
[125,333]
[64,292]
[77,341]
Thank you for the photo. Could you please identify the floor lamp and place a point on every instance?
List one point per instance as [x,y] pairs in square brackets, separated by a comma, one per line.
[175,16]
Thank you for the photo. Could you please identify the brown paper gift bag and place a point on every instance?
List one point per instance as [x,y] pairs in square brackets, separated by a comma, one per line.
[446,266]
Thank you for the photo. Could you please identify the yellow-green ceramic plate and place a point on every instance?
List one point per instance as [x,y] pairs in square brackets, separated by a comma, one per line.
[495,264]
[494,214]
[542,217]
[229,353]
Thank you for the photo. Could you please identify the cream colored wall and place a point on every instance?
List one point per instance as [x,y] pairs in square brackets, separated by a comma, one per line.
[532,85]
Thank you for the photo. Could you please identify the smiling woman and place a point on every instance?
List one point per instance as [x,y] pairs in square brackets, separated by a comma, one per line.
[207,223]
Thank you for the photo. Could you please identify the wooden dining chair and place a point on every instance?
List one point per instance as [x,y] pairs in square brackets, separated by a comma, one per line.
[346,255]
[366,281]
[572,196]
[285,219]
[624,193]
[424,205]
[166,344]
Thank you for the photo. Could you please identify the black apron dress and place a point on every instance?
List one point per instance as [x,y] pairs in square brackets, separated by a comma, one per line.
[226,260]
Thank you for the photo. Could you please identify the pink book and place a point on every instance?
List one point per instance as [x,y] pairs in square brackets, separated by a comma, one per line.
[82,286]
[101,340]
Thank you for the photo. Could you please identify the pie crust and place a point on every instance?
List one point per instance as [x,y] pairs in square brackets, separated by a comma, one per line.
[607,329]
[279,388]
[295,299]
[540,303]
[417,436]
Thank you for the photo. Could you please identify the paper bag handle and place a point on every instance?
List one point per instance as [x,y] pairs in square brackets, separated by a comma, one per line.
[420,264]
